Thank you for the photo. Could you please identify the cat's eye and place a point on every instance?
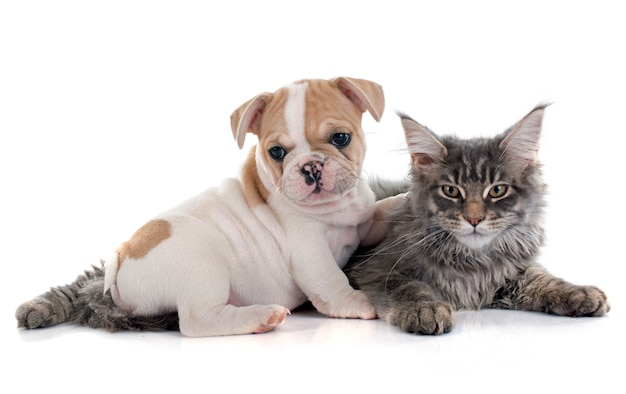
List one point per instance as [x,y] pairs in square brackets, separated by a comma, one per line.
[498,191]
[451,191]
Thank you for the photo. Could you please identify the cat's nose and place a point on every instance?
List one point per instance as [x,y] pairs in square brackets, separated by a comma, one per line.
[474,220]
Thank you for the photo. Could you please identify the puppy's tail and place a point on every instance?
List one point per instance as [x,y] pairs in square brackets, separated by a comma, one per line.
[84,302]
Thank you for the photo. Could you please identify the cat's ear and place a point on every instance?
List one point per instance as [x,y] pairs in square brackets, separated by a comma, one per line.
[521,142]
[423,144]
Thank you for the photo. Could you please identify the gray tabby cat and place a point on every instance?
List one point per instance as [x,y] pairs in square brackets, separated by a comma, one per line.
[468,235]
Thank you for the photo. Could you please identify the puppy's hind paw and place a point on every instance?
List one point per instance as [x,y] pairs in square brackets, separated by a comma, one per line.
[277,318]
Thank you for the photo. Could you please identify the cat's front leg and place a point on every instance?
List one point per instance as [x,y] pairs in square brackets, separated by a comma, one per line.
[414,307]
[537,290]
[424,317]
[401,300]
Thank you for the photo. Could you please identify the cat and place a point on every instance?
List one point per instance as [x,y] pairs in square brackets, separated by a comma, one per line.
[467,234]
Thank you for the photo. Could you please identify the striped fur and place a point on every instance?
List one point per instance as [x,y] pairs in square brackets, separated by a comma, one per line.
[468,235]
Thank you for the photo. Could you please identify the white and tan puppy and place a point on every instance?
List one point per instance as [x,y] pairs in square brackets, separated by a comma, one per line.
[236,258]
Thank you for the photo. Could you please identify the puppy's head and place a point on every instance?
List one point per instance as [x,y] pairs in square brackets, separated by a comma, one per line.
[311,145]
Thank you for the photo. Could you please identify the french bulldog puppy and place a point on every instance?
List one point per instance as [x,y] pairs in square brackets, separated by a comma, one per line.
[236,258]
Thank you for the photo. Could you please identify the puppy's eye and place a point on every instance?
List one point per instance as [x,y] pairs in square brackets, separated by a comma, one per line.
[451,191]
[277,153]
[340,140]
[498,191]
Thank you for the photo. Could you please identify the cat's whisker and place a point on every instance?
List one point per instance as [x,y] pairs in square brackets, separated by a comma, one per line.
[393,221]
[383,251]
[430,238]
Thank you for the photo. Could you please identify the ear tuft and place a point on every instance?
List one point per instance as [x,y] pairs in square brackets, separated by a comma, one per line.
[521,142]
[423,144]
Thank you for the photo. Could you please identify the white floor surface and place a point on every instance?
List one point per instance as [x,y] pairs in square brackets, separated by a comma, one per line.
[487,352]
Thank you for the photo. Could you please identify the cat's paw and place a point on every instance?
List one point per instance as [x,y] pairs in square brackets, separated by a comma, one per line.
[583,301]
[34,314]
[430,318]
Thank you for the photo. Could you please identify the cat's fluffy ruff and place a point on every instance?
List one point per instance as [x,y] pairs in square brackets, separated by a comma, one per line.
[468,234]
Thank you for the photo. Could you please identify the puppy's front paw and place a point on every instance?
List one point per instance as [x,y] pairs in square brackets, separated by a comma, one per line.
[353,305]
[34,314]
[430,318]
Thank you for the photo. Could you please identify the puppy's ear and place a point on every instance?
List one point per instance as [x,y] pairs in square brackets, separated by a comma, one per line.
[246,118]
[366,95]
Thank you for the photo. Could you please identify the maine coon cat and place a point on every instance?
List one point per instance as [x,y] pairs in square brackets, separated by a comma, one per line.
[468,234]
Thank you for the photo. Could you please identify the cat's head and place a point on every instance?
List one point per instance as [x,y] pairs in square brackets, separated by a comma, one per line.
[482,189]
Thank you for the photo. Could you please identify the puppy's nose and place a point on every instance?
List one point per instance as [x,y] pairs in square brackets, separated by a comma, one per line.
[312,172]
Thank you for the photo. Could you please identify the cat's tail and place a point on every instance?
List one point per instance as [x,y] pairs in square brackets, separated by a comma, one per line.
[84,302]
[384,188]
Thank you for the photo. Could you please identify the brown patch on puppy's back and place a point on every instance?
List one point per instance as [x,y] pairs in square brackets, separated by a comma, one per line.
[144,240]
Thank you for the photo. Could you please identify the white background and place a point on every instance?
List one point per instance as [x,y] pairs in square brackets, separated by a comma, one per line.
[111,112]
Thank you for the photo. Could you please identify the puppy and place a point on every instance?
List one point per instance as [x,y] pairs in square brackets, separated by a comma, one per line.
[236,258]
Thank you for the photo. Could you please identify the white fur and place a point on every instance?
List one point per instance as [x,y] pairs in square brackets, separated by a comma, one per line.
[231,267]
[294,115]
[265,175]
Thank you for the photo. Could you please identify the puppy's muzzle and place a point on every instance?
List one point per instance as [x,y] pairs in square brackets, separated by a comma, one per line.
[312,173]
